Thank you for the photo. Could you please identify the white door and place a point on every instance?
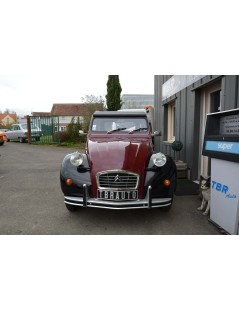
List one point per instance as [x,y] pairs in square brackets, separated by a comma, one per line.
[211,103]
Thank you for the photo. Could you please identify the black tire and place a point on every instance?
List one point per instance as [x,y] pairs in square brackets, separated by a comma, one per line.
[1,142]
[72,208]
[8,140]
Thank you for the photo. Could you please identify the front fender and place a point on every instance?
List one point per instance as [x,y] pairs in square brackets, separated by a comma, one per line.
[79,175]
[155,176]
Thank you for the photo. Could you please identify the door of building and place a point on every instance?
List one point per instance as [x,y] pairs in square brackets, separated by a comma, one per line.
[211,102]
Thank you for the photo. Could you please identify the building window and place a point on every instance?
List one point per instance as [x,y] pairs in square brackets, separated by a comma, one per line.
[171,121]
[82,119]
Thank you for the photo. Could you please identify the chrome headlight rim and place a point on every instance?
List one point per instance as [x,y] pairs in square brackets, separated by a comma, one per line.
[76,159]
[159,159]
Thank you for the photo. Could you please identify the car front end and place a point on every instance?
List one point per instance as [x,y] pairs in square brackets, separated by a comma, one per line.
[118,189]
[119,170]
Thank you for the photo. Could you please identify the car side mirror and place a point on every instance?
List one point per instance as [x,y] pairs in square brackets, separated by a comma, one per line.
[157,133]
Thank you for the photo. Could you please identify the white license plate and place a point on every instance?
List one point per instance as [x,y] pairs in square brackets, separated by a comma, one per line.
[117,195]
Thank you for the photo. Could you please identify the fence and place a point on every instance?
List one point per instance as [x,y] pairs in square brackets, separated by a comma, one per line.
[43,129]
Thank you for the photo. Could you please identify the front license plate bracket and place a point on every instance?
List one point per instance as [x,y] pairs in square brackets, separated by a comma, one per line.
[117,195]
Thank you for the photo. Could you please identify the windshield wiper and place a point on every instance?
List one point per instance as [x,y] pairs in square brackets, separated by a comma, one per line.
[138,129]
[117,129]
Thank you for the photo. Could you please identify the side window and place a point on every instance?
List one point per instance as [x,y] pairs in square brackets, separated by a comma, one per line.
[171,121]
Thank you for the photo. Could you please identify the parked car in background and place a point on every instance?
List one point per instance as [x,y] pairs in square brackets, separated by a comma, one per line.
[119,169]
[3,137]
[19,132]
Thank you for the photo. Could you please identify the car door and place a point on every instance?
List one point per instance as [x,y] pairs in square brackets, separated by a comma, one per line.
[15,132]
[10,133]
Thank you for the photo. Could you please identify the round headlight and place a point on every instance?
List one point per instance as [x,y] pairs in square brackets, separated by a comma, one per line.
[159,159]
[76,159]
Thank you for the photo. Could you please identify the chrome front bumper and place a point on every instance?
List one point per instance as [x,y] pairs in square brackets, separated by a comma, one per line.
[147,203]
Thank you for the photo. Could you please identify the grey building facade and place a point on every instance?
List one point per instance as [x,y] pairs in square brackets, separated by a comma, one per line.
[134,101]
[181,105]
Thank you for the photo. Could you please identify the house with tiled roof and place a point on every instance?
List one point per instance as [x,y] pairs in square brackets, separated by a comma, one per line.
[7,119]
[69,111]
[41,113]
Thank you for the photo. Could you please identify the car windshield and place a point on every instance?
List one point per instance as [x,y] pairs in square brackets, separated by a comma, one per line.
[24,126]
[119,124]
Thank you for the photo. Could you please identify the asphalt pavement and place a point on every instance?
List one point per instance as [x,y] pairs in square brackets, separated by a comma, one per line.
[31,202]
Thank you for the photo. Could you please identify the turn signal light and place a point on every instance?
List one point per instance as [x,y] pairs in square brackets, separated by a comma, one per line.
[69,182]
[167,182]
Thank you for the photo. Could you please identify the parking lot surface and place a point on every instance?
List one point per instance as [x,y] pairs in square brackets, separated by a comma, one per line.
[31,202]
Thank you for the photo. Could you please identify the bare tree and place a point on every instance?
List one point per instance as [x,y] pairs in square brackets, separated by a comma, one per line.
[93,99]
[8,111]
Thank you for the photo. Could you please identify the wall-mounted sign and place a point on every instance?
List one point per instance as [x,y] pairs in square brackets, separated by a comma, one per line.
[229,125]
[177,83]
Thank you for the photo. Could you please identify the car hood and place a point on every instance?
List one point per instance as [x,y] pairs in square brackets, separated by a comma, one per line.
[121,154]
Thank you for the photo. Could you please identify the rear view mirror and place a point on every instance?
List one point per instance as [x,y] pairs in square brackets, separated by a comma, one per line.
[157,133]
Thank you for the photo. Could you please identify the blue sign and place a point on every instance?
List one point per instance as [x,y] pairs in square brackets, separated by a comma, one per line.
[224,189]
[222,146]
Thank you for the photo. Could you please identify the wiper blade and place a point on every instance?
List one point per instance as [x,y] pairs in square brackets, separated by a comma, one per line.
[138,129]
[117,129]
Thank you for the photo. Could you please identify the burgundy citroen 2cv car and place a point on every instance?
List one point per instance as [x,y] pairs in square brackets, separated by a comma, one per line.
[119,169]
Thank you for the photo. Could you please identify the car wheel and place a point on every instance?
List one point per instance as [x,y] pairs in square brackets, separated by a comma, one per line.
[8,140]
[21,140]
[72,208]
[1,142]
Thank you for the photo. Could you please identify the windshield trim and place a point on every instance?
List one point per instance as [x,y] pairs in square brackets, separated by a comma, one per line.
[120,124]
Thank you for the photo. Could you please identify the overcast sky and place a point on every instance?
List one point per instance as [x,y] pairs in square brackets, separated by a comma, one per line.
[26,94]
[59,51]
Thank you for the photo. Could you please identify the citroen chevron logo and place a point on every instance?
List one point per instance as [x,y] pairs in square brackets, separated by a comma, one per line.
[117,179]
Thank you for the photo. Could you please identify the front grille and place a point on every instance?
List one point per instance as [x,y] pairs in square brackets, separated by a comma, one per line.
[117,180]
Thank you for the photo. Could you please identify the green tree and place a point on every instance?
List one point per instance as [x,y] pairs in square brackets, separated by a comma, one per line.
[113,99]
[73,129]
